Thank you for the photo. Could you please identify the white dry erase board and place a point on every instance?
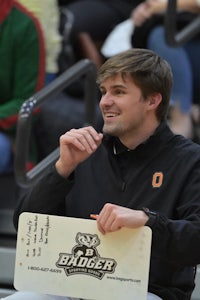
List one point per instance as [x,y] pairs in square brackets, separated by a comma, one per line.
[70,257]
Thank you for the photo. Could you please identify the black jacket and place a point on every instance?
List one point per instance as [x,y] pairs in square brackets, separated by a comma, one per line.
[162,174]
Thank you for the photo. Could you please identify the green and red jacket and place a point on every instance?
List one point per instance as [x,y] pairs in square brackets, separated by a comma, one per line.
[22,61]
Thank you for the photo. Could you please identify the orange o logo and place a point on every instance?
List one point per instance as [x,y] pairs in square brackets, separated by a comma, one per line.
[157,179]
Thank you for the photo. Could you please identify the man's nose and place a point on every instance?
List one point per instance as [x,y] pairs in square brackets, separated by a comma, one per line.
[106,99]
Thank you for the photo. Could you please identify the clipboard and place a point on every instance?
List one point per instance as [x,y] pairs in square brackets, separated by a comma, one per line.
[69,257]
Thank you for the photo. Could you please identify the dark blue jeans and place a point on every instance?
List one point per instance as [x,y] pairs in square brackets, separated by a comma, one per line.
[6,156]
[185,64]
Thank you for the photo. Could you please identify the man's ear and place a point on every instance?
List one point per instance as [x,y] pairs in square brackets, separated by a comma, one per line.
[154,100]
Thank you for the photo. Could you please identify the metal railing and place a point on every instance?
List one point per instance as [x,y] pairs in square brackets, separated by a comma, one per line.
[84,69]
[177,38]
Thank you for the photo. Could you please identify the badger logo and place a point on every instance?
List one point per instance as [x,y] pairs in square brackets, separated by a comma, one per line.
[85,258]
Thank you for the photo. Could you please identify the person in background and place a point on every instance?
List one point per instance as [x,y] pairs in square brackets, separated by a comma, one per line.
[91,28]
[136,173]
[184,60]
[48,14]
[22,61]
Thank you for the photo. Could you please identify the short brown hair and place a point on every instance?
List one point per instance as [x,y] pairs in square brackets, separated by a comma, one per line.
[150,73]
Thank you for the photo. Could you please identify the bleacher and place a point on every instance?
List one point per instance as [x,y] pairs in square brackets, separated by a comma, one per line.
[7,234]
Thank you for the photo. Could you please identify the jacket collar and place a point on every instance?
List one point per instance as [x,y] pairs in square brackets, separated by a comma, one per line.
[5,7]
[161,134]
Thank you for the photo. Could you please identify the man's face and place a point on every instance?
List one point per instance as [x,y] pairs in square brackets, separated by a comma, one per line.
[123,107]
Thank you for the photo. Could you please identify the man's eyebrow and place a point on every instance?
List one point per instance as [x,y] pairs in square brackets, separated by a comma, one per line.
[115,86]
[119,86]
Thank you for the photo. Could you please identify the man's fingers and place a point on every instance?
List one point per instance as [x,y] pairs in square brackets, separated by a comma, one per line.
[85,139]
[67,138]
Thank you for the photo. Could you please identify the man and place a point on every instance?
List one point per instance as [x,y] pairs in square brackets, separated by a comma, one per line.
[136,173]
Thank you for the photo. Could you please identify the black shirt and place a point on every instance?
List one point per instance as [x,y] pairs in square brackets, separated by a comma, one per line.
[162,174]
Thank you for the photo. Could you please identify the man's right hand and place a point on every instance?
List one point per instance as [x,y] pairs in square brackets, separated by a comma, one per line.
[76,145]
